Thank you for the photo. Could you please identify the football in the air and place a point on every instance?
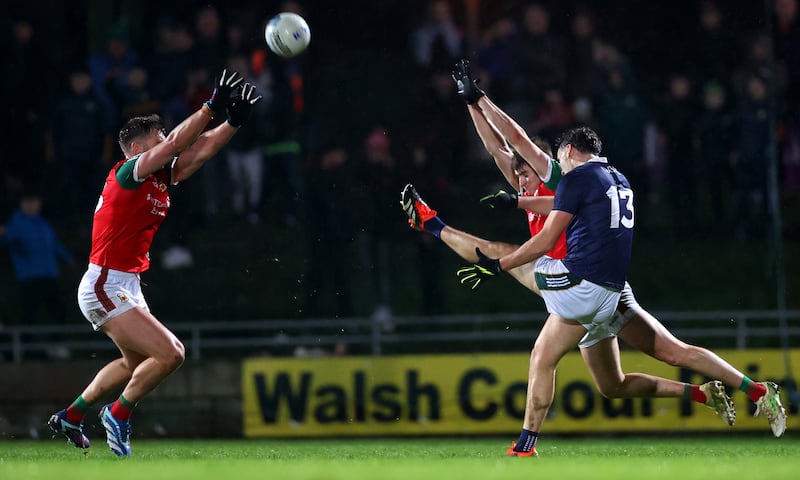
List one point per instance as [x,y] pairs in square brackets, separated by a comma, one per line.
[287,34]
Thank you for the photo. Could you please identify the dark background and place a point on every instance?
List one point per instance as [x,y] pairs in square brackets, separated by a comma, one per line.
[358,75]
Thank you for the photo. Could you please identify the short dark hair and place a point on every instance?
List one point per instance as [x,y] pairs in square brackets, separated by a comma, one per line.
[583,139]
[138,127]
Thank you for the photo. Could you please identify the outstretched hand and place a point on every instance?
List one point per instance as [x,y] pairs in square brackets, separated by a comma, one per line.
[467,86]
[224,87]
[501,200]
[474,275]
[242,104]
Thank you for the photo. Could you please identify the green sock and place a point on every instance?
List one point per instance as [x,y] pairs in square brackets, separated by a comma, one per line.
[126,402]
[746,382]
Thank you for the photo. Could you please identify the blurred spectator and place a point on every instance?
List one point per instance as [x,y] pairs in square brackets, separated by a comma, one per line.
[621,115]
[759,61]
[790,155]
[437,43]
[208,49]
[136,99]
[26,76]
[81,146]
[713,147]
[109,70]
[285,123]
[580,47]
[553,116]
[787,45]
[677,116]
[495,58]
[607,58]
[331,233]
[169,63]
[244,155]
[378,177]
[209,53]
[753,133]
[714,49]
[35,254]
[443,133]
[538,57]
[188,210]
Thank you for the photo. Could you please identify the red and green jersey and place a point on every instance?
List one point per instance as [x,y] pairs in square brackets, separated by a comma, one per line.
[536,221]
[127,217]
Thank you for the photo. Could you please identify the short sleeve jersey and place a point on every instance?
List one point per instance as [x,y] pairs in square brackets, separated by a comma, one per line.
[600,237]
[536,222]
[127,217]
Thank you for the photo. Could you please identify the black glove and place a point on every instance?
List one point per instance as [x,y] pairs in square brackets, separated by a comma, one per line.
[475,274]
[501,199]
[467,86]
[242,105]
[221,97]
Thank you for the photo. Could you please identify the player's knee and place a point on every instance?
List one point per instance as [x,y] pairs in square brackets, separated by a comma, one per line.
[610,390]
[175,357]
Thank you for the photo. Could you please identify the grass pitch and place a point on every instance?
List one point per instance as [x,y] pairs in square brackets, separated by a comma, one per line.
[416,459]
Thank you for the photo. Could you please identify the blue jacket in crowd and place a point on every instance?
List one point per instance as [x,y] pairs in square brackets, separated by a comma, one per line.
[35,249]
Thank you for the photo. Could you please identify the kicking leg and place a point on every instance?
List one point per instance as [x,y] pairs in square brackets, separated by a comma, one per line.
[425,219]
[603,362]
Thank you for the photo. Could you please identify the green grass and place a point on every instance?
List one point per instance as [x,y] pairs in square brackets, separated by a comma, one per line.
[415,459]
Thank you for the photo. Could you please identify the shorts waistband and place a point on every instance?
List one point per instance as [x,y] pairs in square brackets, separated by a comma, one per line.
[98,268]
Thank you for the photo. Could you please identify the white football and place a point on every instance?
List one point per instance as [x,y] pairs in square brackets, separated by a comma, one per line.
[287,34]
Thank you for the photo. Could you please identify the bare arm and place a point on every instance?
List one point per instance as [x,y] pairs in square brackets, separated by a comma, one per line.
[516,136]
[494,143]
[541,205]
[178,140]
[538,244]
[205,147]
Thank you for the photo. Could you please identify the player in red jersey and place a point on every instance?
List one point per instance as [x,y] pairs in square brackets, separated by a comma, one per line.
[132,205]
[502,137]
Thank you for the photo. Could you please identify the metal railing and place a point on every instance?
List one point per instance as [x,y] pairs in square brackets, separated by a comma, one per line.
[399,335]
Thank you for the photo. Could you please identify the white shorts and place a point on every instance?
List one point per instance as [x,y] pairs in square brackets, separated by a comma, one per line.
[571,297]
[104,293]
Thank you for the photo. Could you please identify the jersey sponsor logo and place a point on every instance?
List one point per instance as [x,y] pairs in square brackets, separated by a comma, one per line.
[159,206]
[161,186]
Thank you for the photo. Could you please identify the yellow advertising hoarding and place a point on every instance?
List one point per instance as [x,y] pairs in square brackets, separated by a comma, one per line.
[472,394]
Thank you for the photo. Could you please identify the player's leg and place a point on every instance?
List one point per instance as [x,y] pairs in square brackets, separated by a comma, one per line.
[602,359]
[423,218]
[140,336]
[645,333]
[138,332]
[557,337]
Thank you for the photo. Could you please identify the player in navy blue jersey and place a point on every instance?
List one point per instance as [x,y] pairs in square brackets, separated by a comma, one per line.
[595,204]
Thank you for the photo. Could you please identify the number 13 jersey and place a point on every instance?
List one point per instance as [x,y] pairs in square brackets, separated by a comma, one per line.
[600,237]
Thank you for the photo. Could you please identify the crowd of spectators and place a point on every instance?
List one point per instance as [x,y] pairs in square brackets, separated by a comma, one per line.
[694,135]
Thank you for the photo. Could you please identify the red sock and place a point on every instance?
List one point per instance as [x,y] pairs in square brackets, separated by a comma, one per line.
[696,394]
[77,411]
[121,409]
[755,391]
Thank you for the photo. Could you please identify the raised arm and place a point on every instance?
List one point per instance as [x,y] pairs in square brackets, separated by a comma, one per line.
[494,144]
[187,132]
[515,135]
[212,141]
